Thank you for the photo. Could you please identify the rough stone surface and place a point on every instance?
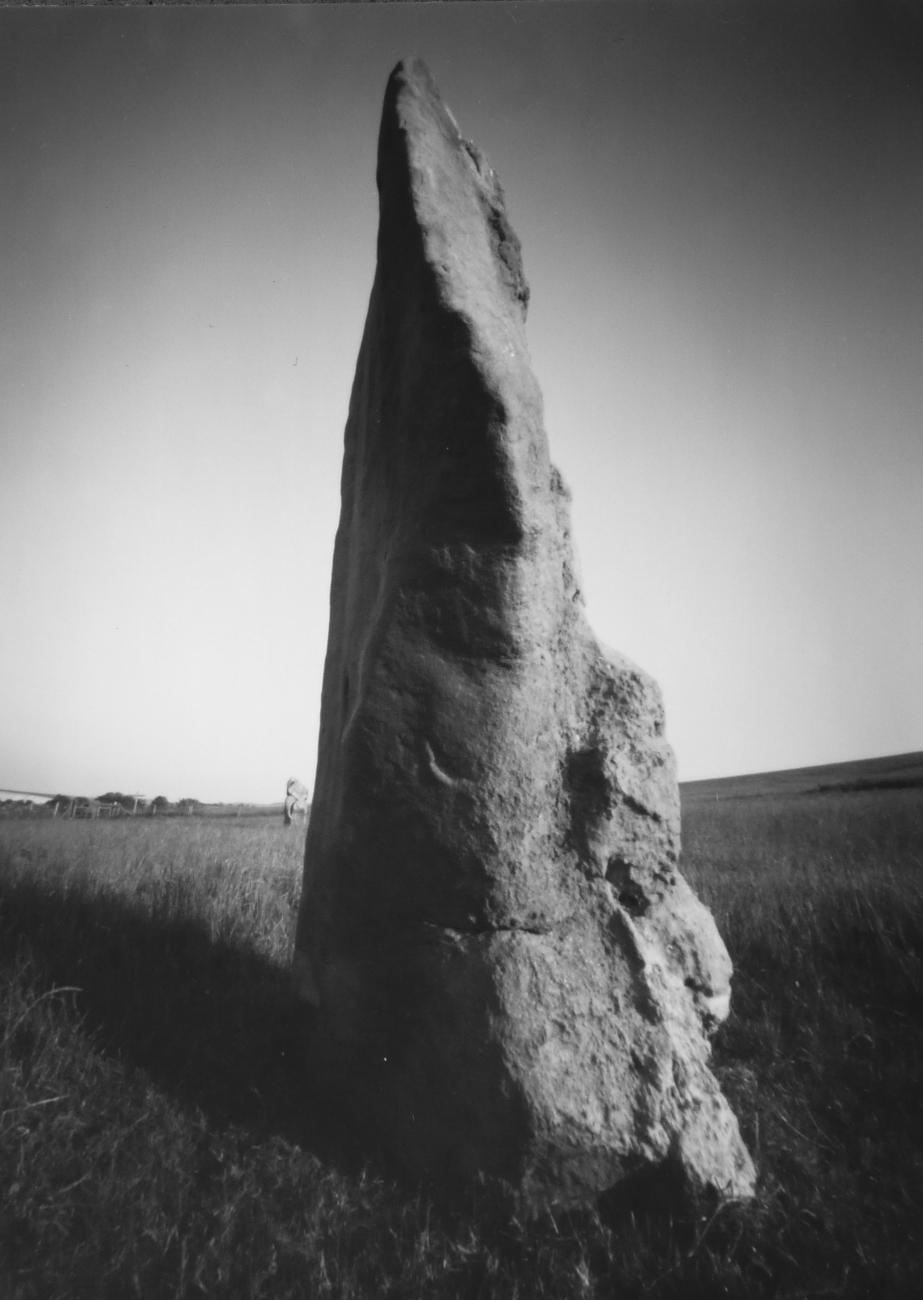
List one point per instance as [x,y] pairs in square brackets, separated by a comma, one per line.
[509,974]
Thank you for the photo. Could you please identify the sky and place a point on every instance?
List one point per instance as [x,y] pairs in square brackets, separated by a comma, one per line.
[720,208]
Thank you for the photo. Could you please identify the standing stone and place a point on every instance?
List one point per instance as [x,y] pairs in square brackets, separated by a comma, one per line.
[509,974]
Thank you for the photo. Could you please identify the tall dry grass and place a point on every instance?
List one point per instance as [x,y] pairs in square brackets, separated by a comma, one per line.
[157,1136]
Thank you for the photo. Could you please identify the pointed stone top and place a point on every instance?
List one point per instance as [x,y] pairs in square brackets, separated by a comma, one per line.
[453,188]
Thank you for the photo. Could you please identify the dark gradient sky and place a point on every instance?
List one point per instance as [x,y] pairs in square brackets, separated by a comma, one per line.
[720,207]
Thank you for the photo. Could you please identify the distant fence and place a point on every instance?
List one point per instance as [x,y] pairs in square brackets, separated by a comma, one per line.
[85,808]
[95,809]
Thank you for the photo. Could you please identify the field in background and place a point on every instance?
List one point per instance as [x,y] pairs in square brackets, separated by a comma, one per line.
[896,772]
[156,1138]
[11,809]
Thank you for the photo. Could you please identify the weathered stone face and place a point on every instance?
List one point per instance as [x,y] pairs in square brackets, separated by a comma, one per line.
[509,974]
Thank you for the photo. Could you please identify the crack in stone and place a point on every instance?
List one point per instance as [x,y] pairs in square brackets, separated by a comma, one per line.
[477,930]
[637,807]
[443,777]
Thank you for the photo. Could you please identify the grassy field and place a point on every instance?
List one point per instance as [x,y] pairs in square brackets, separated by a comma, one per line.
[156,1137]
[896,772]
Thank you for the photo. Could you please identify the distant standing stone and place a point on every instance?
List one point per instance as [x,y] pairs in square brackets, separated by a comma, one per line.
[509,974]
[297,801]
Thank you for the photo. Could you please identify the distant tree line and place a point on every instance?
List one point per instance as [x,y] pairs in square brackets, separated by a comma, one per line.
[113,803]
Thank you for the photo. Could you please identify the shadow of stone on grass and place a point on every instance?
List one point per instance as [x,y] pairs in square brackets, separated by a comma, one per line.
[213,1025]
